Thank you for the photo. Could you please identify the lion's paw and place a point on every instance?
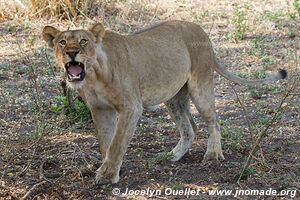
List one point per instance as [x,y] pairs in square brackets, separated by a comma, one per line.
[181,148]
[107,173]
[177,155]
[213,155]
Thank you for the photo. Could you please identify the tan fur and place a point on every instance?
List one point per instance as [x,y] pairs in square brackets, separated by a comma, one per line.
[169,63]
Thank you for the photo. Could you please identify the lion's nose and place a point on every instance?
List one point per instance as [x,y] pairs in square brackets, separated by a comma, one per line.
[72,54]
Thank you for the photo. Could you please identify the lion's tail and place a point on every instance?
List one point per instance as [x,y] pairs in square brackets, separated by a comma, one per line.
[281,74]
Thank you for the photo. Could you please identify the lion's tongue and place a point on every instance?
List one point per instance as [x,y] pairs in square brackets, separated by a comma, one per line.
[74,70]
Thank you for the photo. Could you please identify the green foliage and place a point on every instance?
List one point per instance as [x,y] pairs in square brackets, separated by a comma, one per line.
[31,40]
[273,15]
[291,32]
[296,6]
[239,22]
[38,132]
[178,186]
[11,27]
[164,156]
[161,157]
[60,104]
[262,119]
[248,172]
[276,88]
[292,15]
[258,46]
[260,74]
[256,94]
[233,138]
[294,12]
[76,110]
[243,74]
[47,72]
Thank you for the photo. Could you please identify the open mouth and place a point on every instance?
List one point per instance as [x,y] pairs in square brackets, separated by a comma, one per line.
[75,71]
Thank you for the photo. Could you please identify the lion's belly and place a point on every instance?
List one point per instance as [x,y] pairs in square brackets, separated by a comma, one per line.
[160,87]
[155,96]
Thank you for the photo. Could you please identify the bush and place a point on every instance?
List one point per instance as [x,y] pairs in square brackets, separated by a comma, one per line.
[76,110]
[61,8]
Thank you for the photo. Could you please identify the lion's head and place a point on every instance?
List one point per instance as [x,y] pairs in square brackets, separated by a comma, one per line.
[75,50]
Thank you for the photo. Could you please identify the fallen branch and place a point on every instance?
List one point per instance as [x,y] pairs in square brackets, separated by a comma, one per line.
[264,133]
[245,113]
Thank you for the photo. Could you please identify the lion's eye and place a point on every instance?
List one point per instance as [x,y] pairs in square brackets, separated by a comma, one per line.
[83,42]
[63,42]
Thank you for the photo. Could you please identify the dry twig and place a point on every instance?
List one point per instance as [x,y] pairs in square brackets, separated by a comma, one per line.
[32,190]
[264,133]
[245,113]
[33,77]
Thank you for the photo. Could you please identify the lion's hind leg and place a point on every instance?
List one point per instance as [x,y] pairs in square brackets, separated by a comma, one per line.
[178,107]
[202,95]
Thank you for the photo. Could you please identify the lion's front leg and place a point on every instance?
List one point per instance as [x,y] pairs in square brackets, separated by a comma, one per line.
[109,170]
[105,123]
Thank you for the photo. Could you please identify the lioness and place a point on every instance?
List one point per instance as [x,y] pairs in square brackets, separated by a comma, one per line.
[117,75]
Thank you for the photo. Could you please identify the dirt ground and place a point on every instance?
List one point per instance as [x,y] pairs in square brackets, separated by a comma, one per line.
[48,154]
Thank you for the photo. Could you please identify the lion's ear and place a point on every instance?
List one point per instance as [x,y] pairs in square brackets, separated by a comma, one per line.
[98,31]
[49,33]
